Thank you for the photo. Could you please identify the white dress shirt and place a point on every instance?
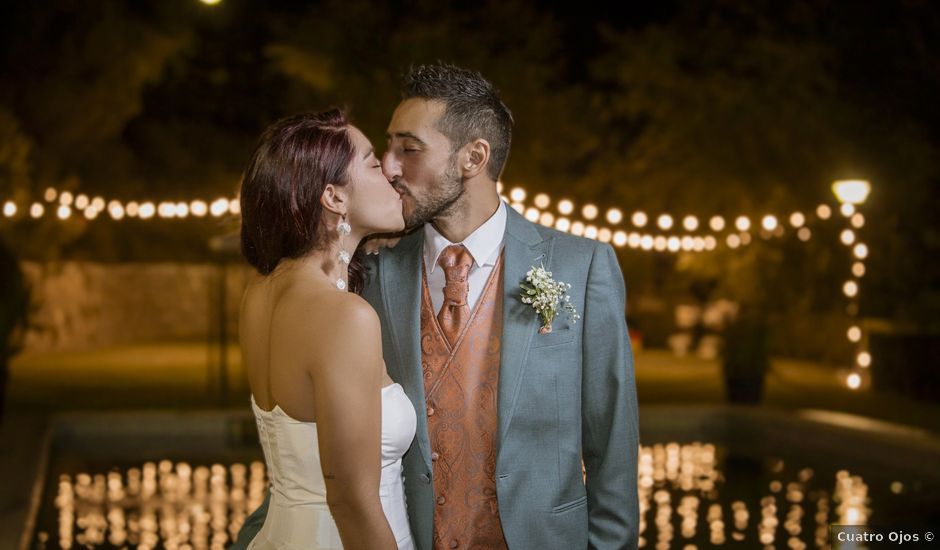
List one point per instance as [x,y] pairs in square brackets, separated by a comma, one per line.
[484,244]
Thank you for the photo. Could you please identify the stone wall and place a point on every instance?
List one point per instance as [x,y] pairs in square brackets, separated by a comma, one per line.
[80,305]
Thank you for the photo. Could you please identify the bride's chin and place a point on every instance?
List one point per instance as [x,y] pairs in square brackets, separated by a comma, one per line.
[398,225]
[394,227]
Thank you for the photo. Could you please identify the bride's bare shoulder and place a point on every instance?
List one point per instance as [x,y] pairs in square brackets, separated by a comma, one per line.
[340,329]
[334,314]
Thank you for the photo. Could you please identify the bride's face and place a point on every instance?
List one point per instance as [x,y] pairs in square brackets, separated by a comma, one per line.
[375,206]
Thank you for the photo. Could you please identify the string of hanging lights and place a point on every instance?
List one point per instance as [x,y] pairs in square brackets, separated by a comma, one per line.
[660,232]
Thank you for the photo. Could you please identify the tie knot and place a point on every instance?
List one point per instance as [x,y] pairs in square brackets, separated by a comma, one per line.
[455,258]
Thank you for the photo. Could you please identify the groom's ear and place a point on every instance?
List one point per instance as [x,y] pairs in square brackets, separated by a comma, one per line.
[474,157]
[334,199]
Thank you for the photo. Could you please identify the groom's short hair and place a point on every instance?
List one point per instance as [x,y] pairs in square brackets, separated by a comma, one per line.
[472,108]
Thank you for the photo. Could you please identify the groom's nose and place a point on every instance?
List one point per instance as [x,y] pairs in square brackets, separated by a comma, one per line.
[391,166]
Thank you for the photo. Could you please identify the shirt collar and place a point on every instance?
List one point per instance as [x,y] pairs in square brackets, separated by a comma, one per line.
[483,244]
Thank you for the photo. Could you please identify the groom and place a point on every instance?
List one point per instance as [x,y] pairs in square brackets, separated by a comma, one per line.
[506,414]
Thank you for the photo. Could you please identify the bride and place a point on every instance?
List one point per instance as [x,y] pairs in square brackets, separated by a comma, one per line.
[332,424]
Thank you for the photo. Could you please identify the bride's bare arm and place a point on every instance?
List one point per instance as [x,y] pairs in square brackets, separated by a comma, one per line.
[347,378]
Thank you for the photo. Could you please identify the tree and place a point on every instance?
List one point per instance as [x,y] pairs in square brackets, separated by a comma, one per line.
[71,84]
[747,109]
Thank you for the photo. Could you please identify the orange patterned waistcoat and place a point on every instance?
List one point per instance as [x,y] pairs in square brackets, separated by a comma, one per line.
[460,386]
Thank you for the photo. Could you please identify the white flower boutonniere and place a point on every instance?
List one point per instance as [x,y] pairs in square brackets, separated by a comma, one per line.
[547,297]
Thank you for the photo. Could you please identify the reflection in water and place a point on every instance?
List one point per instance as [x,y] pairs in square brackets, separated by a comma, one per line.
[177,506]
[689,473]
[159,505]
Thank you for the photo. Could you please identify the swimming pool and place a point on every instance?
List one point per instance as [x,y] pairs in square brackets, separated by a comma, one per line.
[708,476]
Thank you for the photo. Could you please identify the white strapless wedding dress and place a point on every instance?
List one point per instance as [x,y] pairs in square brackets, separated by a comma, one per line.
[298,517]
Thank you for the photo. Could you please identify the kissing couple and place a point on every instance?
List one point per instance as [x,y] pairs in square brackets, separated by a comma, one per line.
[469,387]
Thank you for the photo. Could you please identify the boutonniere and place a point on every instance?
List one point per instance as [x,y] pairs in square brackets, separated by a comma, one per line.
[547,297]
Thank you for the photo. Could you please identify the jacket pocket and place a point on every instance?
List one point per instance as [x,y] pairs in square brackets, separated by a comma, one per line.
[570,505]
[555,338]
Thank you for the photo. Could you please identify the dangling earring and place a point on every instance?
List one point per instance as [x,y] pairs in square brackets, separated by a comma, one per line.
[344,258]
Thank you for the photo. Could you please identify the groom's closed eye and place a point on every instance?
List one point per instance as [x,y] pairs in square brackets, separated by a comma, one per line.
[406,148]
[410,143]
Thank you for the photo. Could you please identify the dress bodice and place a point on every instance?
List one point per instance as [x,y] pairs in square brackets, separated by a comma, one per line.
[298,515]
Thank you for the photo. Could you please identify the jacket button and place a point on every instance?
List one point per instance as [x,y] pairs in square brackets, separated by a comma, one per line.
[430,411]
[454,543]
[435,456]
[441,500]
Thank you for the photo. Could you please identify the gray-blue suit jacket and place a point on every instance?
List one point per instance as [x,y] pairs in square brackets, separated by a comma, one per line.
[563,397]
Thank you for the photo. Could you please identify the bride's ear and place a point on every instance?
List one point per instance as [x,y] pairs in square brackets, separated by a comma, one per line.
[335,199]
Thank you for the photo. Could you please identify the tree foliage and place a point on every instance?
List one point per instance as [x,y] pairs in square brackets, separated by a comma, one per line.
[716,107]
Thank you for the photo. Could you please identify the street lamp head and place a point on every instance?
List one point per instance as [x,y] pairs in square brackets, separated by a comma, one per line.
[851,191]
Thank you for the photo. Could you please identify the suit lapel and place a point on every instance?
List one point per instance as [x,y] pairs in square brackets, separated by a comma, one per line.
[401,294]
[524,249]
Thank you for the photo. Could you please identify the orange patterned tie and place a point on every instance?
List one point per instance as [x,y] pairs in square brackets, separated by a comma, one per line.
[456,262]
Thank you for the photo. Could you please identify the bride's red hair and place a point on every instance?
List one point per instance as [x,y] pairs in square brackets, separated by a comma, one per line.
[294,161]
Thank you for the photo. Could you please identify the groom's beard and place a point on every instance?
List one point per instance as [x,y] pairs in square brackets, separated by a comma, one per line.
[439,200]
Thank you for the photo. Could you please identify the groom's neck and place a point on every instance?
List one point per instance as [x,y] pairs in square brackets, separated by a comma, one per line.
[468,214]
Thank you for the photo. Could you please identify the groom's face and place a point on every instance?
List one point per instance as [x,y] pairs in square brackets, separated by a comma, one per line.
[420,163]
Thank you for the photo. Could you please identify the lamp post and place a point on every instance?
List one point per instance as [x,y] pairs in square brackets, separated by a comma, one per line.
[851,194]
